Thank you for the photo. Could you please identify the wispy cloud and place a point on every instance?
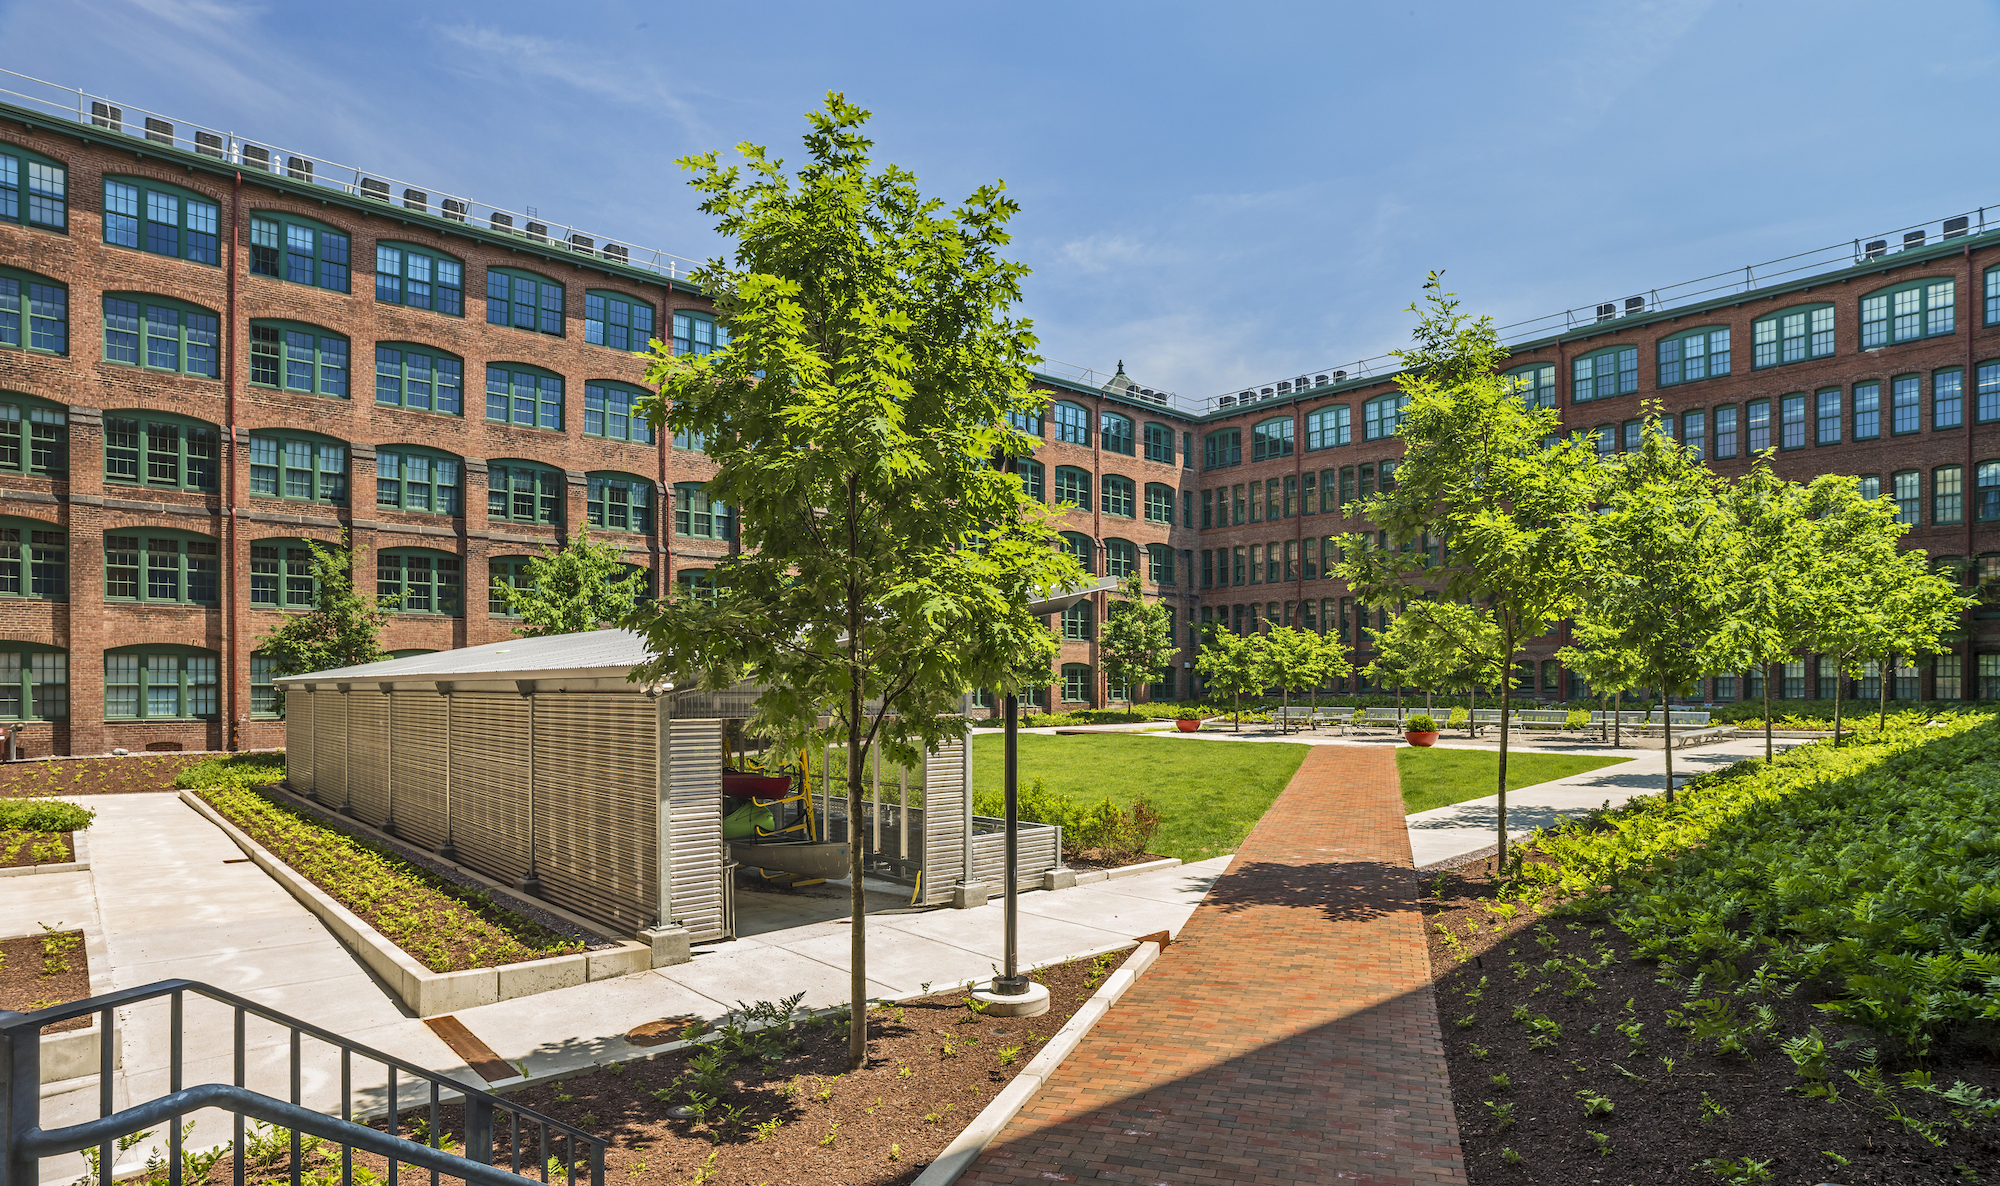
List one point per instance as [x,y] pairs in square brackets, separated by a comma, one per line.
[1100,253]
[574,64]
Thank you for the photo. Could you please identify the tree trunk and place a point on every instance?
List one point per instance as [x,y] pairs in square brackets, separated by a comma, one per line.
[1667,723]
[1285,711]
[1882,686]
[1506,702]
[1836,707]
[857,894]
[1239,712]
[1767,714]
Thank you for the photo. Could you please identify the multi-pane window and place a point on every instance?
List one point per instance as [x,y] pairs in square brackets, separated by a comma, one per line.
[34,312]
[1919,309]
[263,692]
[149,449]
[1159,503]
[618,503]
[1076,622]
[698,333]
[1271,439]
[162,334]
[1381,416]
[1604,438]
[1694,433]
[1225,447]
[1986,393]
[34,681]
[1948,494]
[1118,495]
[1867,411]
[419,278]
[1073,485]
[1076,682]
[1329,427]
[33,439]
[299,251]
[1536,384]
[33,190]
[1631,433]
[1160,564]
[1159,443]
[1699,354]
[1987,503]
[529,397]
[1757,425]
[1030,473]
[1905,404]
[1793,335]
[1078,545]
[298,358]
[409,479]
[159,219]
[1948,398]
[610,410]
[1606,373]
[1992,295]
[1906,488]
[520,492]
[419,379]
[1072,422]
[281,575]
[697,583]
[420,581]
[1868,486]
[506,572]
[1117,433]
[616,320]
[698,516]
[1028,422]
[154,683]
[1827,416]
[1121,558]
[308,468]
[1792,422]
[34,559]
[160,566]
[524,301]
[690,440]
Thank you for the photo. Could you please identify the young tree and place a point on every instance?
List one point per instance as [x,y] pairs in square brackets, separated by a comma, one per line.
[579,586]
[1137,641]
[1326,661]
[1437,645]
[1780,561]
[1476,473]
[1231,663]
[343,629]
[1291,659]
[1611,669]
[854,420]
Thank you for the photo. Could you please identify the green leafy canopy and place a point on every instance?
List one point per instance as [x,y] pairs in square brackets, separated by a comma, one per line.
[343,629]
[580,586]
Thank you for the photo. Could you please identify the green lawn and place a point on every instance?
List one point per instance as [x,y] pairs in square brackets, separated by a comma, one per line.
[1209,792]
[1441,777]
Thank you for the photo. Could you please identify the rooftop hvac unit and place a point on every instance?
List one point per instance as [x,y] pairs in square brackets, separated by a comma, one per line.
[538,231]
[159,131]
[1246,396]
[104,115]
[371,188]
[452,209]
[1340,376]
[1284,387]
[209,144]
[1635,306]
[255,157]
[1301,383]
[1227,401]
[1955,227]
[1877,248]
[1268,393]
[1320,380]
[1913,239]
[584,244]
[298,168]
[1607,312]
[616,251]
[418,200]
[501,222]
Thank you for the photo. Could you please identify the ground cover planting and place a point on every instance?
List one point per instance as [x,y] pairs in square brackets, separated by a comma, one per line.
[132,774]
[1208,794]
[40,971]
[39,831]
[1440,777]
[1791,974]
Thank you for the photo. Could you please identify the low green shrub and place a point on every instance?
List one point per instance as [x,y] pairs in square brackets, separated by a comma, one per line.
[43,815]
[1459,719]
[236,770]
[1578,718]
[1104,825]
[1419,722]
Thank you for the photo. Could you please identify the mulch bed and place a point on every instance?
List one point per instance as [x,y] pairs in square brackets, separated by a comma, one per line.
[31,848]
[94,776]
[1105,858]
[1666,1122]
[37,971]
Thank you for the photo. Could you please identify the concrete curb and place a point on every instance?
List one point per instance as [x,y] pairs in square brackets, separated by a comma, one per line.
[80,865]
[970,1143]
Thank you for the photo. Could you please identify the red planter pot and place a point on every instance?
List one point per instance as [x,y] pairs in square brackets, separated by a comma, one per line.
[1421,738]
[1187,726]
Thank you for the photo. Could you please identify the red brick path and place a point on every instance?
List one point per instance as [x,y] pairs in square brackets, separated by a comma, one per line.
[1288,1036]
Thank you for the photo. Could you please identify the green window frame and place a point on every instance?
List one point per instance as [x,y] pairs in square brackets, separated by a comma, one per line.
[1605,373]
[698,334]
[413,478]
[1073,486]
[1030,472]
[611,411]
[619,502]
[34,190]
[698,516]
[1986,502]
[524,300]
[1072,422]
[423,581]
[1080,546]
[1757,425]
[34,559]
[34,682]
[616,320]
[1121,558]
[1382,416]
[1076,683]
[693,442]
[158,682]
[294,356]
[524,492]
[1905,312]
[1948,494]
[1948,398]
[1993,295]
[1272,439]
[300,467]
[1791,422]
[1906,404]
[34,437]
[1906,487]
[34,312]
[419,379]
[524,396]
[162,219]
[697,583]
[1118,496]
[1076,622]
[1693,355]
[281,575]
[1116,432]
[161,334]
[419,278]
[1160,564]
[1792,335]
[1725,432]
[146,564]
[1159,443]
[509,572]
[1028,422]
[1867,411]
[263,691]
[1159,503]
[161,451]
[1535,384]
[1828,415]
[298,251]
[1329,427]
[1222,449]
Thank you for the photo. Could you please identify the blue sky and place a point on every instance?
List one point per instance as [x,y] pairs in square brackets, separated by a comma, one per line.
[1215,194]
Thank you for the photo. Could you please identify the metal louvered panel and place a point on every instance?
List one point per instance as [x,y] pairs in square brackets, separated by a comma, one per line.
[489,782]
[595,805]
[330,748]
[368,755]
[417,750]
[299,740]
[1035,854]
[946,817]
[694,781]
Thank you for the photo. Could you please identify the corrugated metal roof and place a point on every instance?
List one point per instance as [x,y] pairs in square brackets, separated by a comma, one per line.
[609,652]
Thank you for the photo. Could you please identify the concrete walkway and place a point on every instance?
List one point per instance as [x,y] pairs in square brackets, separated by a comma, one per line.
[1289,1035]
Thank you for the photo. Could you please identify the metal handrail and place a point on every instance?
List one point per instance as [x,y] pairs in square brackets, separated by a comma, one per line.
[23,1142]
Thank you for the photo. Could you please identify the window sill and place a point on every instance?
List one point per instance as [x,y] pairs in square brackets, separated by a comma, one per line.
[110,720]
[380,406]
[139,601]
[152,370]
[418,308]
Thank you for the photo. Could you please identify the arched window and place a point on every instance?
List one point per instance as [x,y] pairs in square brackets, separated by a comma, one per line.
[1382,416]
[698,583]
[1117,433]
[298,250]
[1222,448]
[411,478]
[523,492]
[1030,473]
[161,451]
[34,682]
[1159,504]
[1907,488]
[281,575]
[697,516]
[158,682]
[1160,564]
[1076,683]
[1992,294]
[299,465]
[419,378]
[698,333]
[616,320]
[620,502]
[524,301]
[34,311]
[298,357]
[1987,491]
[1328,427]
[420,277]
[422,581]
[34,559]
[1121,558]
[1908,311]
[1535,384]
[1118,495]
[1691,355]
[161,334]
[1073,485]
[1076,622]
[610,411]
[34,189]
[1072,422]
[509,572]
[1159,443]
[163,219]
[1948,494]
[34,437]
[151,564]
[1272,438]
[1028,422]
[1078,545]
[525,396]
[1792,335]
[1604,373]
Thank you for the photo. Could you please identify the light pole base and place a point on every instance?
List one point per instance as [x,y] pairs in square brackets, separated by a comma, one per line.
[1032,1003]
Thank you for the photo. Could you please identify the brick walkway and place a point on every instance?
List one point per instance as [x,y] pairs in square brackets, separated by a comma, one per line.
[1288,1036]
